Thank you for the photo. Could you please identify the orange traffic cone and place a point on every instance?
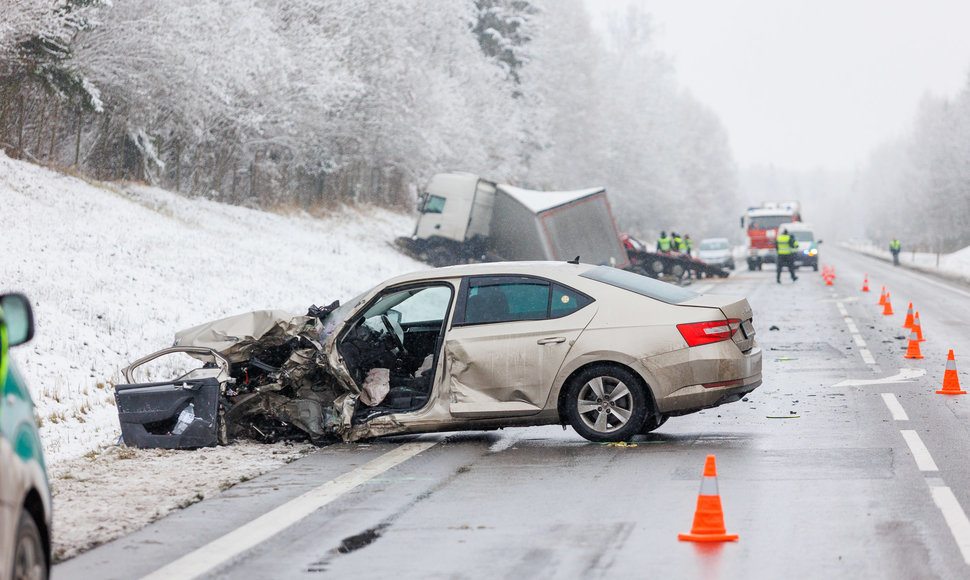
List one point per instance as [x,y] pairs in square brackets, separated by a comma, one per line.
[708,518]
[917,328]
[908,323]
[865,284]
[829,278]
[888,309]
[951,382]
[882,297]
[912,349]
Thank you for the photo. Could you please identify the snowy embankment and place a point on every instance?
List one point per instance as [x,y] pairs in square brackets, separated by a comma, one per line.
[955,266]
[112,272]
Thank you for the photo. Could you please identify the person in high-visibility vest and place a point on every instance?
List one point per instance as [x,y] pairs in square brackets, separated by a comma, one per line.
[894,248]
[664,242]
[785,246]
[678,243]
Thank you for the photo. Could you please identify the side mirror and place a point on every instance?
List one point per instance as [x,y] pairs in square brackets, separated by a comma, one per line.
[17,316]
[819,242]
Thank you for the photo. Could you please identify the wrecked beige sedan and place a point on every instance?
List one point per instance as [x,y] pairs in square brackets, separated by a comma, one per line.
[470,347]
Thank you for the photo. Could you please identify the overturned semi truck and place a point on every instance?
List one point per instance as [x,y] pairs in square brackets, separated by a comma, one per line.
[465,218]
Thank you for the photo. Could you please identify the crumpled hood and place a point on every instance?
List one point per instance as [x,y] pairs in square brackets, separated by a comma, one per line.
[235,337]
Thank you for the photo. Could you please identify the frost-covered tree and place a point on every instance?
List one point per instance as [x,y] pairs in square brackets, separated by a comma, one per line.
[317,102]
[918,188]
[35,67]
[504,29]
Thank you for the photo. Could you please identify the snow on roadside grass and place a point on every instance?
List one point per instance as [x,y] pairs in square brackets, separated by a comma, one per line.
[114,270]
[95,503]
[954,266]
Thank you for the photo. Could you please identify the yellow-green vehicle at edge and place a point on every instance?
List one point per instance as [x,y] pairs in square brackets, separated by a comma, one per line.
[25,500]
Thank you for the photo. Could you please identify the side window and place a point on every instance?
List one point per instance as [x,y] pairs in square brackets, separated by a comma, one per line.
[427,305]
[434,204]
[565,301]
[507,299]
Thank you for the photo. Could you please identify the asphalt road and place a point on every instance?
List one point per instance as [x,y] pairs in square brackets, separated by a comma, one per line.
[845,463]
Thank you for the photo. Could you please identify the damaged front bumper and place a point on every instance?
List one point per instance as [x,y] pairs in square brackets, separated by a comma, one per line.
[263,376]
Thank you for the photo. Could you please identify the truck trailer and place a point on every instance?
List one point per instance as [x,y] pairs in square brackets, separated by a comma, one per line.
[465,218]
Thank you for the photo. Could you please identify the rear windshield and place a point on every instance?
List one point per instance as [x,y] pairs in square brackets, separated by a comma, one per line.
[640,284]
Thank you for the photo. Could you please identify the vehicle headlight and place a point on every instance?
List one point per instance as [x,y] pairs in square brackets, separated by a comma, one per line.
[812,252]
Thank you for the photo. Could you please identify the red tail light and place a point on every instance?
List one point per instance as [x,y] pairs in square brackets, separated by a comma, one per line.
[699,333]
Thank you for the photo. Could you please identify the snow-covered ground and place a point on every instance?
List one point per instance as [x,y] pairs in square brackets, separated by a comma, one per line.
[112,272]
[955,266]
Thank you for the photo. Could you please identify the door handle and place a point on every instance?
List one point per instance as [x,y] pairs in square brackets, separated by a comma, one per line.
[551,340]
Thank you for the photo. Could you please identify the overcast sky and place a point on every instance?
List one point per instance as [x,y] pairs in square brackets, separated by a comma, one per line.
[812,83]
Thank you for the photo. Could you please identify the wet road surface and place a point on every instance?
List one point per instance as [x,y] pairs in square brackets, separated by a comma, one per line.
[844,463]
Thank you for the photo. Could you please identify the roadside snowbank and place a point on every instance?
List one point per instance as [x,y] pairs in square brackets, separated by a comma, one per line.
[955,266]
[113,270]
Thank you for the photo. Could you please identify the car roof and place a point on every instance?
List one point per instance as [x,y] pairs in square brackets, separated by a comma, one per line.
[799,226]
[547,269]
[714,240]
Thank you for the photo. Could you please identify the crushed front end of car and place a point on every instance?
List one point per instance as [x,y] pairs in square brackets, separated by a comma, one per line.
[262,375]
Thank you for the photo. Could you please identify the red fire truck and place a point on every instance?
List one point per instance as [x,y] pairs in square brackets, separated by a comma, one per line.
[762,223]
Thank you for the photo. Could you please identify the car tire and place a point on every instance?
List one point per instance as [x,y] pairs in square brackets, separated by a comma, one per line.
[815,266]
[606,404]
[29,557]
[652,423]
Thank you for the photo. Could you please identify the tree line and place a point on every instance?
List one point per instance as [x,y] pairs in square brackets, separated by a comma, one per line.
[917,187]
[318,103]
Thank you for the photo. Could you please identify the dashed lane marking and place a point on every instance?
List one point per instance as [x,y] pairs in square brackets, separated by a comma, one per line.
[269,524]
[895,409]
[920,453]
[954,516]
[854,331]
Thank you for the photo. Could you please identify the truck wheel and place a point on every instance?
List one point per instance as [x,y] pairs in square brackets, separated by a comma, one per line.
[606,404]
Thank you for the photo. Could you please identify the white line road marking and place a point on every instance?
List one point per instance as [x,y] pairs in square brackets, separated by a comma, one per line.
[920,453]
[897,411]
[854,331]
[955,517]
[269,524]
[903,376]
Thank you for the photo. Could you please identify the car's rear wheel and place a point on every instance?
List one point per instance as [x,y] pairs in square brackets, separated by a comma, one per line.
[652,423]
[606,403]
[29,561]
